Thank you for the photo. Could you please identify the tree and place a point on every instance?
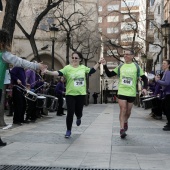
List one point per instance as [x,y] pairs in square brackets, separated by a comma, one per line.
[72,21]
[9,20]
[31,36]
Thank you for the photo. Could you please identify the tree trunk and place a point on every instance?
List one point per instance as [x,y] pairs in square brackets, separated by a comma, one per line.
[11,10]
[34,49]
[67,48]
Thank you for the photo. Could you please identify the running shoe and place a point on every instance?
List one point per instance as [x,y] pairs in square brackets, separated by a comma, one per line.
[167,124]
[126,126]
[166,128]
[123,133]
[78,122]
[68,133]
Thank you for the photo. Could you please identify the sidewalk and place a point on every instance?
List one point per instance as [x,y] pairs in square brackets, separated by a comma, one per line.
[94,144]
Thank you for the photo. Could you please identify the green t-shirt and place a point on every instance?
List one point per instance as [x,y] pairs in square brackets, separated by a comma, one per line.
[75,79]
[3,67]
[128,79]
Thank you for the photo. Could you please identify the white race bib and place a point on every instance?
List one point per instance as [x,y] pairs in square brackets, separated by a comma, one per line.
[79,82]
[127,81]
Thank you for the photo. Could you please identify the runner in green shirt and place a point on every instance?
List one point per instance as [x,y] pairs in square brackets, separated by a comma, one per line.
[126,87]
[75,75]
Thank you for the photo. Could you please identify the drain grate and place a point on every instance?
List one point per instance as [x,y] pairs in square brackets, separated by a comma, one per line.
[18,167]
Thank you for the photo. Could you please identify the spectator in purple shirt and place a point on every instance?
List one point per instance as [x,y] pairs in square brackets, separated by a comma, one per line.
[60,91]
[165,83]
[18,79]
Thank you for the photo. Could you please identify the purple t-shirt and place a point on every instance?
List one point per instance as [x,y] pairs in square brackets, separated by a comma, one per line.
[165,82]
[30,77]
[18,73]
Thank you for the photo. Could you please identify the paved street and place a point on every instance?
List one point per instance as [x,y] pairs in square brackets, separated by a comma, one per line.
[95,144]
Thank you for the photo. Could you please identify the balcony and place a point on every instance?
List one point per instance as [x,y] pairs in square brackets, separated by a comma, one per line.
[112,64]
[132,9]
[125,43]
[150,16]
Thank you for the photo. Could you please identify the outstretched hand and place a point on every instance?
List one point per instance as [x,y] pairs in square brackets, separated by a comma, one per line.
[44,71]
[42,67]
[103,61]
[144,91]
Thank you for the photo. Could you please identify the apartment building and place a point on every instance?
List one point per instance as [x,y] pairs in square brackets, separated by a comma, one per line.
[154,35]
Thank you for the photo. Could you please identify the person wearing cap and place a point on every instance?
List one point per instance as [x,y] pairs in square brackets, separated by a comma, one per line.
[126,87]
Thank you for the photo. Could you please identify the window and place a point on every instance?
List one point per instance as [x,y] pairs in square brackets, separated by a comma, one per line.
[127,37]
[159,9]
[111,52]
[112,30]
[113,7]
[99,8]
[151,25]
[112,64]
[129,3]
[99,19]
[113,19]
[152,2]
[114,41]
[128,26]
[127,16]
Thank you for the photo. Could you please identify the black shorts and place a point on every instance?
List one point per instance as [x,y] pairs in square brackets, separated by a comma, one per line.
[127,98]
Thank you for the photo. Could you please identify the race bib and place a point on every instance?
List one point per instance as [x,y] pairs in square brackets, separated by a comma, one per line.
[127,81]
[79,82]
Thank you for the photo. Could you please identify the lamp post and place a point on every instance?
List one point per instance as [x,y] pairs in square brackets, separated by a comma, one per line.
[166,34]
[53,34]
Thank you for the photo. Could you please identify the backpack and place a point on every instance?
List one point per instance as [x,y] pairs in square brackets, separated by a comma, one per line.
[137,67]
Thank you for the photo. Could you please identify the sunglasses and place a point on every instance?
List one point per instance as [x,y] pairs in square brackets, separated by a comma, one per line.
[74,58]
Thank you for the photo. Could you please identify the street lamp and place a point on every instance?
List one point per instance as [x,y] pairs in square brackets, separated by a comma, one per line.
[166,34]
[53,34]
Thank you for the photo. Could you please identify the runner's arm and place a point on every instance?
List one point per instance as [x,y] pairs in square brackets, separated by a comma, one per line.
[145,81]
[109,73]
